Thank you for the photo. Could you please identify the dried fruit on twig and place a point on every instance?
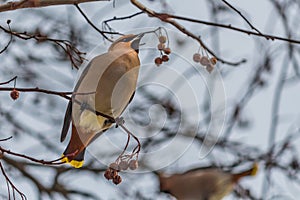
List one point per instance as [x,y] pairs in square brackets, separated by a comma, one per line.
[213,60]
[133,164]
[114,166]
[197,57]
[14,94]
[107,174]
[162,39]
[123,165]
[160,46]
[158,61]
[204,61]
[114,173]
[117,180]
[167,50]
[165,58]
[210,67]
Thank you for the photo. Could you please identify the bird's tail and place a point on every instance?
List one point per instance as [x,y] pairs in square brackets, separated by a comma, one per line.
[163,182]
[250,172]
[74,153]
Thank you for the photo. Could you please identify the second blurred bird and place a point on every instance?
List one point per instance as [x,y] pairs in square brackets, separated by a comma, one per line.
[107,86]
[202,184]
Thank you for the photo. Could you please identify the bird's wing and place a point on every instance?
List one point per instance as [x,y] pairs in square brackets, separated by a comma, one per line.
[122,77]
[85,71]
[200,169]
[68,114]
[106,69]
[130,100]
[67,121]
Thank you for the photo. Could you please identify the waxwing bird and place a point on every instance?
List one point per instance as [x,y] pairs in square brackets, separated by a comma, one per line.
[202,184]
[104,89]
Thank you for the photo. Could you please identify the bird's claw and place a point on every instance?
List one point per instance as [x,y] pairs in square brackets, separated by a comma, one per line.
[119,121]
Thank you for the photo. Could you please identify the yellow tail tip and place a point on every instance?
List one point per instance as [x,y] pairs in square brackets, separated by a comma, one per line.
[73,163]
[254,169]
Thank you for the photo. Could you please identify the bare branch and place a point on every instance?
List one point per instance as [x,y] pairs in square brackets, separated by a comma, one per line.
[91,23]
[165,18]
[247,21]
[120,18]
[272,37]
[75,55]
[51,162]
[5,139]
[56,187]
[10,39]
[10,184]
[39,3]
[36,89]
[6,82]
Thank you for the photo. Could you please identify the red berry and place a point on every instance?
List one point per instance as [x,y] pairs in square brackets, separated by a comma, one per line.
[165,58]
[204,61]
[133,164]
[158,61]
[162,39]
[197,57]
[167,50]
[117,180]
[114,173]
[213,60]
[160,46]
[210,68]
[114,166]
[123,165]
[107,174]
[14,94]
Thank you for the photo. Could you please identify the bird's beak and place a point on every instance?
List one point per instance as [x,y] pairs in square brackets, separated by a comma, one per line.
[135,44]
[139,36]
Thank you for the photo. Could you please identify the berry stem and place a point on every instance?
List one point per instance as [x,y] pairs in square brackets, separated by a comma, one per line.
[127,143]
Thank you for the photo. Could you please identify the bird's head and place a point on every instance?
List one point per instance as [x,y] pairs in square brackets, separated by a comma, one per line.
[127,41]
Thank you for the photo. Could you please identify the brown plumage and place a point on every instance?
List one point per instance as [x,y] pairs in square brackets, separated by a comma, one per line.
[106,85]
[202,184]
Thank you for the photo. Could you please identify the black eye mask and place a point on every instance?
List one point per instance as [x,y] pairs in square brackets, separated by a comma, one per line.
[128,39]
[135,45]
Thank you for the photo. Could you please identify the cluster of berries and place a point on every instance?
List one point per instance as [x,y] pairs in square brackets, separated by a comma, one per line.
[114,168]
[205,61]
[164,51]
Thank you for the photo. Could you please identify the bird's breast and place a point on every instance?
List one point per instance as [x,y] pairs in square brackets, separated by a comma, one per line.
[110,82]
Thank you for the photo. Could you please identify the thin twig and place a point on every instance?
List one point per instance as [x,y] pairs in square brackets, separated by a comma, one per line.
[51,162]
[91,23]
[5,139]
[121,18]
[126,146]
[9,182]
[6,82]
[267,36]
[10,39]
[39,3]
[165,18]
[75,55]
[137,140]
[36,89]
[246,20]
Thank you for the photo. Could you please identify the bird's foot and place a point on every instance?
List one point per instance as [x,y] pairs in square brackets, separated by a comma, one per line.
[119,121]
